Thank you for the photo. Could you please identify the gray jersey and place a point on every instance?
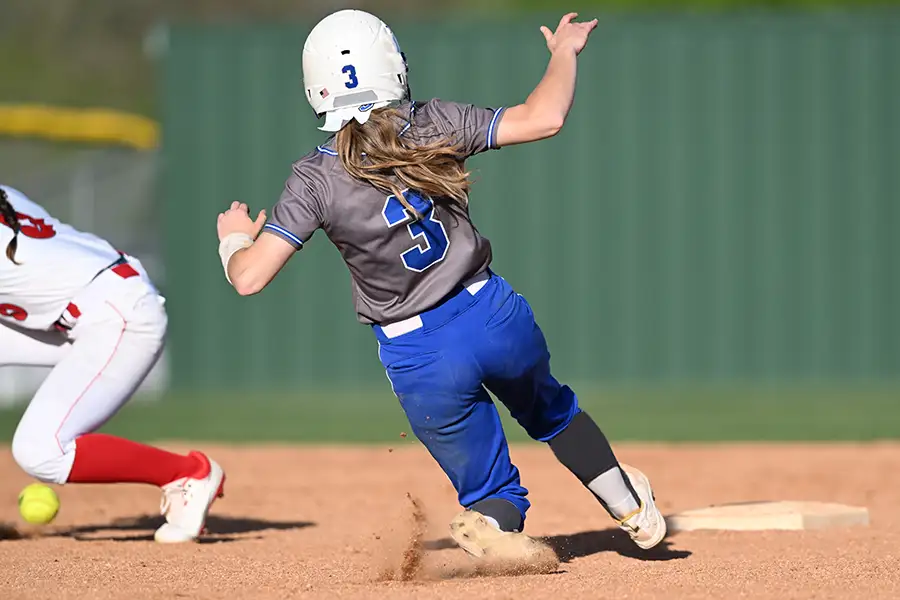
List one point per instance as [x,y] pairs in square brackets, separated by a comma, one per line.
[399,266]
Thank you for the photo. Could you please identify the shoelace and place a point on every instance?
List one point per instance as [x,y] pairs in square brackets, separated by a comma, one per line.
[176,492]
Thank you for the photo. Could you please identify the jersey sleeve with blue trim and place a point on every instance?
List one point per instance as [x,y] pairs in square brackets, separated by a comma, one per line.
[298,212]
[472,127]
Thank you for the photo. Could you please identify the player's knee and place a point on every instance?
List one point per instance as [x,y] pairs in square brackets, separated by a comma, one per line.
[27,454]
[40,457]
[555,417]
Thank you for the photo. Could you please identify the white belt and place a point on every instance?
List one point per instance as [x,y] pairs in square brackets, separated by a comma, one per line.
[398,328]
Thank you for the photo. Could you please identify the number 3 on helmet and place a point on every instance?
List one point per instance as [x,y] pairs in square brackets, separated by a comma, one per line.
[352,64]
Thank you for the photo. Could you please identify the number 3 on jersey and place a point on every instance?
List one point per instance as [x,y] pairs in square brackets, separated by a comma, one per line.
[429,233]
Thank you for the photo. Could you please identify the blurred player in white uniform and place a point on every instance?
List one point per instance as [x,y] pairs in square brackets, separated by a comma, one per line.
[70,301]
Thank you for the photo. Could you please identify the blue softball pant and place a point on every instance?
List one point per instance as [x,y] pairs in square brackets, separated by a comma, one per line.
[442,371]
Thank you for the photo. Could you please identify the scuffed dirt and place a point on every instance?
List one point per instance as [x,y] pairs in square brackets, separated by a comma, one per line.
[412,550]
[368,523]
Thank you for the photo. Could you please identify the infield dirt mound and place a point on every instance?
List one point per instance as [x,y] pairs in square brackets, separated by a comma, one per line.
[334,522]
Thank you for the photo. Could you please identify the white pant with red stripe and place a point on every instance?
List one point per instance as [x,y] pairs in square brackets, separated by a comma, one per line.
[97,366]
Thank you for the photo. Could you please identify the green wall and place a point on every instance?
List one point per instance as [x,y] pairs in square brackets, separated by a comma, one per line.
[721,206]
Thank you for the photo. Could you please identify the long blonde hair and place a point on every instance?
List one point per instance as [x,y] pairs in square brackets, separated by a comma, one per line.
[374,153]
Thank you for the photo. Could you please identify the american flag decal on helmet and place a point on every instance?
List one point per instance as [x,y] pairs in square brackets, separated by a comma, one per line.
[324,93]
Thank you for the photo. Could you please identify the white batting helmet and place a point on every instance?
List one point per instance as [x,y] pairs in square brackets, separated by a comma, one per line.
[352,64]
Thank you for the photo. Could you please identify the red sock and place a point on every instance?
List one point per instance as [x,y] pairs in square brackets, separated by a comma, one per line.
[101,458]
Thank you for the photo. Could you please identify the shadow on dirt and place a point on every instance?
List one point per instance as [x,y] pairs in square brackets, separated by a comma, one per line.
[220,529]
[578,545]
[587,543]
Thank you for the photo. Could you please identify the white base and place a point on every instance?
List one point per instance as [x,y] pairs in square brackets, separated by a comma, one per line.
[759,516]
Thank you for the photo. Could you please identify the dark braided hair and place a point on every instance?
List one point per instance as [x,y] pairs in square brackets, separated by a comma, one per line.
[9,216]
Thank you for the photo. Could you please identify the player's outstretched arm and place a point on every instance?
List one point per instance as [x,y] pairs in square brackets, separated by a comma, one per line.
[250,262]
[544,112]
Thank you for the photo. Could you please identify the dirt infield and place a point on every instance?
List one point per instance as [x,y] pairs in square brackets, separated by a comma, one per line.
[337,523]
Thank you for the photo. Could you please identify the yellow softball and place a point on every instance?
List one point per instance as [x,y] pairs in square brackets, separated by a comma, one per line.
[38,504]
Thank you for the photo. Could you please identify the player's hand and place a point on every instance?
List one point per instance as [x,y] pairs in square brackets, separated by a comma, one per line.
[237,220]
[569,36]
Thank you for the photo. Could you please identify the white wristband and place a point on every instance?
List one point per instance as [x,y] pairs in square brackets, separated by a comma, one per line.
[231,244]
